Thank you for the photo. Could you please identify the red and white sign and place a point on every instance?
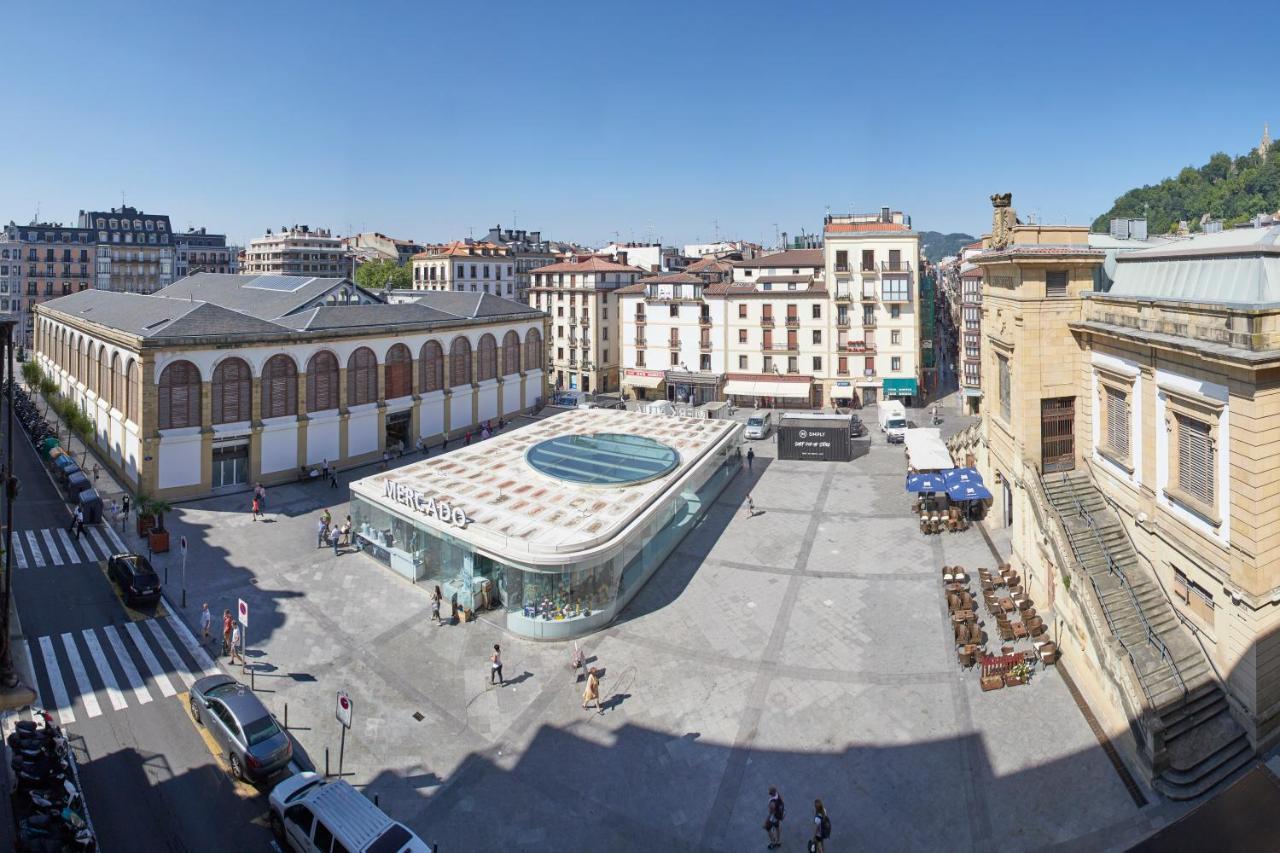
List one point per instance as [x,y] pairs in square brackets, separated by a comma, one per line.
[343,709]
[244,612]
[652,374]
[182,543]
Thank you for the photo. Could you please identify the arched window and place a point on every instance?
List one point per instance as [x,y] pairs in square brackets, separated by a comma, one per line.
[510,353]
[459,362]
[232,392]
[81,354]
[488,351]
[322,382]
[362,377]
[431,370]
[104,383]
[91,369]
[113,396]
[398,372]
[179,401]
[533,350]
[133,388]
[279,387]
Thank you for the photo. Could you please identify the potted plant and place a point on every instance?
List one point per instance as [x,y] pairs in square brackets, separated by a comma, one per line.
[1019,673]
[157,535]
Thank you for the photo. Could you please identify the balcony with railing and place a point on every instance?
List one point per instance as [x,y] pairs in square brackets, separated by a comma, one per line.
[793,322]
[674,343]
[766,321]
[704,320]
[705,344]
[640,340]
[843,293]
[857,346]
[640,319]
[573,321]
[895,266]
[868,292]
[868,321]
[842,321]
[869,372]
[780,346]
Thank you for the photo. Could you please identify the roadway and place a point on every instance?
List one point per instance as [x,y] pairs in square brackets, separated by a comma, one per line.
[117,678]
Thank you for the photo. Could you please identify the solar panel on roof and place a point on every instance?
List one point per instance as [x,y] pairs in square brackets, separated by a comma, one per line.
[280,283]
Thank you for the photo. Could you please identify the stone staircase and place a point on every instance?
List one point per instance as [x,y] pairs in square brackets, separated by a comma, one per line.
[1204,743]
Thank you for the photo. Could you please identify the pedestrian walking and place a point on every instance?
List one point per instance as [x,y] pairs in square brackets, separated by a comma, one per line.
[333,478]
[77,522]
[346,532]
[592,691]
[467,439]
[124,506]
[327,517]
[444,443]
[386,458]
[335,536]
[751,507]
[324,467]
[484,433]
[96,470]
[821,828]
[257,507]
[206,622]
[260,492]
[773,818]
[236,651]
[495,666]
[751,457]
[226,632]
[453,608]
[322,532]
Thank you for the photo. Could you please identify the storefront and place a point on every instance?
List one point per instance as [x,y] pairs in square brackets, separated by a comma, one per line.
[772,391]
[644,384]
[692,388]
[904,389]
[553,527]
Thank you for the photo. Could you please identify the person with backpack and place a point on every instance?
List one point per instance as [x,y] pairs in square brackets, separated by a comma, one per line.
[773,818]
[821,828]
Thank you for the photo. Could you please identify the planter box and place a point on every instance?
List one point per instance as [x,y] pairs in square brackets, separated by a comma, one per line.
[1013,680]
[159,541]
[145,523]
[991,682]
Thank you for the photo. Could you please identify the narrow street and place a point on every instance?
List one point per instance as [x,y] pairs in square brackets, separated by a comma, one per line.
[116,679]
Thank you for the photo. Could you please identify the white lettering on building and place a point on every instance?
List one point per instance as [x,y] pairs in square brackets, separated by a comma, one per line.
[441,511]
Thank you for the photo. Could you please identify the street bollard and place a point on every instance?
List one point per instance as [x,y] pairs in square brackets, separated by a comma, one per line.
[326,762]
[253,678]
[375,799]
[286,716]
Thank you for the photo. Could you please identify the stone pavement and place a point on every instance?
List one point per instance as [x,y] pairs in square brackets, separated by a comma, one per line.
[805,647]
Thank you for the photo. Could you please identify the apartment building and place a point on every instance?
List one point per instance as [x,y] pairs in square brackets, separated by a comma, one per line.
[530,252]
[382,247]
[581,298]
[297,250]
[467,266]
[38,262]
[650,257]
[196,250]
[135,250]
[674,338]
[970,373]
[873,267]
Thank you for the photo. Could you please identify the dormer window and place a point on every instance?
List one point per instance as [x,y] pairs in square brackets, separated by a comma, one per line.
[115,223]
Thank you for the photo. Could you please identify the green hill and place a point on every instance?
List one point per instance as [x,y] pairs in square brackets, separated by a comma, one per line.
[935,245]
[1232,190]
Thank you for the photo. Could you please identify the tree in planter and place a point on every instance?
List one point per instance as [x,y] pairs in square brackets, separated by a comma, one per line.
[158,537]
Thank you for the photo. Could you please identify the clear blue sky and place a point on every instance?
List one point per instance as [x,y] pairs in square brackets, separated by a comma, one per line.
[424,119]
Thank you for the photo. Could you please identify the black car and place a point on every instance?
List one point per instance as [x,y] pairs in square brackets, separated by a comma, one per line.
[138,582]
[857,428]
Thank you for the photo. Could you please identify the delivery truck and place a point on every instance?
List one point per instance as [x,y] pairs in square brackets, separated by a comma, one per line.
[893,420]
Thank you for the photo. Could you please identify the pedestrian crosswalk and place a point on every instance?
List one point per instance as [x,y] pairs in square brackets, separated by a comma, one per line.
[39,549]
[111,667]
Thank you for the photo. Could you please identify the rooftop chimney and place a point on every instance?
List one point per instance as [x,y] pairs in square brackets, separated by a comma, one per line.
[621,257]
[884,215]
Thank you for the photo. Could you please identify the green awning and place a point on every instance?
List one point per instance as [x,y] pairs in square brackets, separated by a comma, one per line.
[900,388]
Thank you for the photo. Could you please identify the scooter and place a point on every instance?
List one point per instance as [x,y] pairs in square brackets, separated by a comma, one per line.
[54,798]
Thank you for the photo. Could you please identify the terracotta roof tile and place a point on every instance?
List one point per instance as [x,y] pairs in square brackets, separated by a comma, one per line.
[592,264]
[851,227]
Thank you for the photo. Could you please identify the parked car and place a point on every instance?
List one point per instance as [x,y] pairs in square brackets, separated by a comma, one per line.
[857,428]
[311,814]
[255,745]
[138,582]
[759,425]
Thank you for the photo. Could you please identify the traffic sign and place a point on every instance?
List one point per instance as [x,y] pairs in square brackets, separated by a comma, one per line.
[244,612]
[182,543]
[343,709]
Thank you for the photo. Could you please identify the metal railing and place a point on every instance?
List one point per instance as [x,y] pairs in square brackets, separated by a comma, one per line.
[1115,571]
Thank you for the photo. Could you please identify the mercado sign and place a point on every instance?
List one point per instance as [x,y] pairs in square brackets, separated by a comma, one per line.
[430,507]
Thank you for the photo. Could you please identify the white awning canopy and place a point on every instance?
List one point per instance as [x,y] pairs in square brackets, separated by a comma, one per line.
[636,380]
[764,388]
[926,451]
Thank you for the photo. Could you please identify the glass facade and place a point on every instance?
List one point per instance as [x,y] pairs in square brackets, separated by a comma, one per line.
[547,602]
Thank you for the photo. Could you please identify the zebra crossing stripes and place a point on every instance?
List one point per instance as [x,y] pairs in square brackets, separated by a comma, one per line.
[98,670]
[58,547]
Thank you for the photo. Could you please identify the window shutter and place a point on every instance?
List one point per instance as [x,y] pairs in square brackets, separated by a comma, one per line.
[1118,421]
[1195,459]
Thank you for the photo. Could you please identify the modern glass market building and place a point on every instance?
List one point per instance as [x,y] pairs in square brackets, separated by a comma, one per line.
[554,526]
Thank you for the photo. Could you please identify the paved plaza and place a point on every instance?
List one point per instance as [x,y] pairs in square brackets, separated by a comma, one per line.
[805,647]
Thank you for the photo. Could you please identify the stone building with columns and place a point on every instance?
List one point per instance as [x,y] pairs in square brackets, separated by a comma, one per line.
[220,381]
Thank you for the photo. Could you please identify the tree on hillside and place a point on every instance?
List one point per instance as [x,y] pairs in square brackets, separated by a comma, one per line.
[375,275]
[1232,190]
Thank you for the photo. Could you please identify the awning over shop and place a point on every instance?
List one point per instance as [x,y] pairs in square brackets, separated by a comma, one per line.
[900,387]
[748,388]
[640,380]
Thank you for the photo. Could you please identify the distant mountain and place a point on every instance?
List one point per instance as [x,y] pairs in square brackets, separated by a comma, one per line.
[1232,190]
[935,245]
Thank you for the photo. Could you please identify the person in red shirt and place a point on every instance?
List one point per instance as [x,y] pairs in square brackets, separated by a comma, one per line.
[226,632]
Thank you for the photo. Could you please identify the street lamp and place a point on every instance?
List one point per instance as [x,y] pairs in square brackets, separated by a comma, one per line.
[13,693]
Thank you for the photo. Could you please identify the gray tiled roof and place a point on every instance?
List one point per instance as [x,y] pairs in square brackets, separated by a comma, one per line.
[472,305]
[149,317]
[266,297]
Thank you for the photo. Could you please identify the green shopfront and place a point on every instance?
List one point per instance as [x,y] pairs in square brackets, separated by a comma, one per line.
[901,389]
[572,524]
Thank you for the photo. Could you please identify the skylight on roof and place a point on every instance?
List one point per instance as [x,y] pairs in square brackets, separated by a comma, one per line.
[280,283]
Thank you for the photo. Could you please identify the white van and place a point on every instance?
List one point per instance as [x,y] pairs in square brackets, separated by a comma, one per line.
[759,425]
[312,814]
[893,420]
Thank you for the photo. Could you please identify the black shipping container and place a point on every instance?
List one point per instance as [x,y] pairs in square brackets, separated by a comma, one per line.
[821,439]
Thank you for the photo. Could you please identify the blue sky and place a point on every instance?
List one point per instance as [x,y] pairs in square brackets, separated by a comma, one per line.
[429,120]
